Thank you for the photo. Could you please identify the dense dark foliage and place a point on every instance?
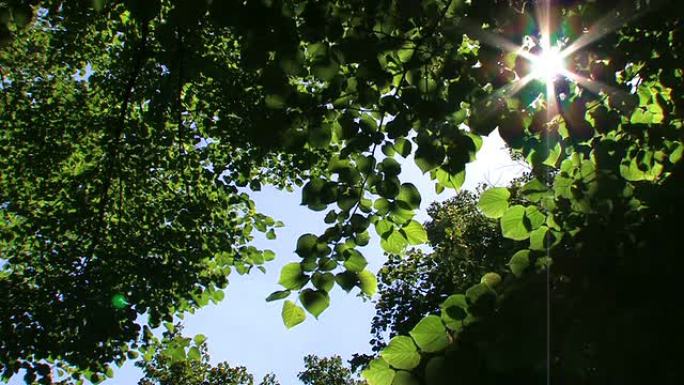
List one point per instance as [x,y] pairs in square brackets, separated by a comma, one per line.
[132,131]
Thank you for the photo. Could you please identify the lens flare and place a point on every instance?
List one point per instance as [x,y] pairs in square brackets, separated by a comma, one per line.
[546,56]
[548,65]
[119,301]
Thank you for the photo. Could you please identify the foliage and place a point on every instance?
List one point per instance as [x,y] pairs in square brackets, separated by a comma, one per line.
[326,371]
[591,298]
[133,181]
[465,245]
[106,191]
[123,169]
[177,360]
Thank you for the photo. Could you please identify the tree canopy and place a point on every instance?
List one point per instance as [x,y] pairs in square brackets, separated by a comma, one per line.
[465,244]
[178,360]
[134,130]
[326,371]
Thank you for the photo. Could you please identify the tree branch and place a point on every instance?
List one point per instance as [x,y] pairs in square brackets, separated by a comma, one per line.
[115,142]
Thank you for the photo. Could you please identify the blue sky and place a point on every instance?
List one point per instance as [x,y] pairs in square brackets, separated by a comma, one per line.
[246,330]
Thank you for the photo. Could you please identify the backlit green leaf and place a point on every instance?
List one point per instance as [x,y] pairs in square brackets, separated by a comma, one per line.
[513,223]
[355,262]
[368,283]
[394,243]
[292,314]
[401,353]
[292,277]
[314,301]
[494,202]
[415,233]
[430,334]
[378,373]
[402,377]
[276,295]
[519,262]
[408,193]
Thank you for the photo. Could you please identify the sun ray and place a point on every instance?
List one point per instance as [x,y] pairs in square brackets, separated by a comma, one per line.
[547,56]
[487,37]
[543,15]
[514,87]
[609,23]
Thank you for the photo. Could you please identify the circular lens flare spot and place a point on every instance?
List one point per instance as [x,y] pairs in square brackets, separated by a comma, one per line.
[119,301]
[548,65]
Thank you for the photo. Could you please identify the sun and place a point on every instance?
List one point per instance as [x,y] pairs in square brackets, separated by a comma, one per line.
[548,65]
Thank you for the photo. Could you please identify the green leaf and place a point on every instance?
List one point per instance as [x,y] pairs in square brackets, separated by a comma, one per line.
[119,301]
[382,206]
[306,245]
[404,378]
[401,353]
[268,255]
[454,310]
[314,301]
[478,293]
[378,373]
[539,239]
[399,215]
[535,217]
[519,262]
[402,147]
[362,239]
[405,53]
[676,155]
[355,261]
[194,354]
[199,339]
[271,234]
[513,223]
[534,190]
[491,279]
[389,187]
[323,281]
[359,223]
[409,194]
[365,164]
[383,228]
[176,353]
[327,264]
[330,217]
[319,137]
[388,149]
[415,233]
[347,280]
[390,166]
[368,283]
[218,295]
[276,295]
[430,334]
[494,202]
[308,264]
[429,156]
[292,314]
[454,181]
[292,277]
[395,243]
[326,70]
